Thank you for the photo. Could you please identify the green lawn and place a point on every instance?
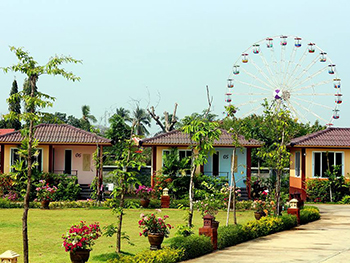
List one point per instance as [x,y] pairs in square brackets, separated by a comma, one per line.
[47,226]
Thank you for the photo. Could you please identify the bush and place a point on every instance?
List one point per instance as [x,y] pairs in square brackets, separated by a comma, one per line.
[67,186]
[193,246]
[345,200]
[230,235]
[265,226]
[309,214]
[244,205]
[165,255]
[4,203]
[289,221]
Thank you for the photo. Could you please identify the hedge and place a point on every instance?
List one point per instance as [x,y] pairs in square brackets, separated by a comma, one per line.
[165,255]
[192,246]
[309,214]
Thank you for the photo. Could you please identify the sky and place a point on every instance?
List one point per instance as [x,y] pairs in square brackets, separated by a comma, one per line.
[159,52]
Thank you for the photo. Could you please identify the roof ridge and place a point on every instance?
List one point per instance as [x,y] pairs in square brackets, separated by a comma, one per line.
[305,137]
[160,135]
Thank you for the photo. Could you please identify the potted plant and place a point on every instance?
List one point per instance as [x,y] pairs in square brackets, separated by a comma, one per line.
[263,206]
[79,241]
[155,228]
[45,193]
[144,192]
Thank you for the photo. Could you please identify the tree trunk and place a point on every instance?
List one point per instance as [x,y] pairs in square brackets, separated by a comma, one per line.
[33,80]
[278,191]
[232,186]
[191,192]
[120,216]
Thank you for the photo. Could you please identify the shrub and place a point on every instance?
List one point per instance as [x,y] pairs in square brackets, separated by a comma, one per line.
[289,221]
[244,205]
[309,214]
[193,246]
[165,255]
[345,200]
[317,190]
[264,226]
[230,235]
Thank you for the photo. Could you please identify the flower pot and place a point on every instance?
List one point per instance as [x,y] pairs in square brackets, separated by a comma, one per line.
[259,215]
[45,204]
[144,202]
[80,256]
[155,240]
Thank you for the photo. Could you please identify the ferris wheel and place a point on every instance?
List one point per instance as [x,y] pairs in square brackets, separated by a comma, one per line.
[288,74]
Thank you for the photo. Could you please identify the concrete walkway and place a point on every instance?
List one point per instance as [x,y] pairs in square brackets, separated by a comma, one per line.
[326,240]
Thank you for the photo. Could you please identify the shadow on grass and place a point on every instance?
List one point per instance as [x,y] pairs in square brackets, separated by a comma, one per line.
[108,256]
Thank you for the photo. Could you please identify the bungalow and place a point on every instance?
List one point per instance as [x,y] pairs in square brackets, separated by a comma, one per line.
[219,164]
[62,149]
[313,154]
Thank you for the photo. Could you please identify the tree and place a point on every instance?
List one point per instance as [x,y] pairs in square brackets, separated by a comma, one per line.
[169,120]
[141,119]
[15,106]
[72,120]
[87,118]
[34,102]
[276,154]
[235,130]
[118,132]
[124,114]
[202,134]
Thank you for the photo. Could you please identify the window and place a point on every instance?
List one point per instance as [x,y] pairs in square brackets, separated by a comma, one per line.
[323,161]
[184,153]
[38,159]
[297,163]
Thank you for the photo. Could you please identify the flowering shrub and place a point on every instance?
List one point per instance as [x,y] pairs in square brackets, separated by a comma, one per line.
[225,190]
[81,236]
[44,191]
[11,196]
[144,191]
[152,224]
[210,205]
[264,206]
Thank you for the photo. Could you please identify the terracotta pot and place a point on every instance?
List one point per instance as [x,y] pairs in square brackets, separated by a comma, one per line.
[259,215]
[45,204]
[144,202]
[80,256]
[155,240]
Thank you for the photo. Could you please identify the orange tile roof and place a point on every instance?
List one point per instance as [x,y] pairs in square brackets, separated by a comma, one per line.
[176,137]
[5,131]
[57,133]
[330,137]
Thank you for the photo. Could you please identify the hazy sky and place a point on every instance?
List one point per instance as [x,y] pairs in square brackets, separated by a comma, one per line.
[159,52]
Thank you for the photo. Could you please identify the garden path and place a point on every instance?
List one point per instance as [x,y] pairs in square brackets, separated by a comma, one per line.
[326,240]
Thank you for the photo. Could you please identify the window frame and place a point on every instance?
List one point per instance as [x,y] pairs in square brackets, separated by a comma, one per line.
[297,174]
[334,156]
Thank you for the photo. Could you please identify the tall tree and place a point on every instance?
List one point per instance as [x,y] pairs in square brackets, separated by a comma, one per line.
[141,119]
[15,106]
[34,102]
[87,118]
[169,120]
[124,114]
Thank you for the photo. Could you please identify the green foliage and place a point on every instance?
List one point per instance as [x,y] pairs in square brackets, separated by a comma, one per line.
[234,234]
[141,119]
[118,132]
[345,200]
[15,106]
[173,165]
[309,214]
[230,235]
[193,246]
[317,190]
[165,255]
[184,231]
[265,226]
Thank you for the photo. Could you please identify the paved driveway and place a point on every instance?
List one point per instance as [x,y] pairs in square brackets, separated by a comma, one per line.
[326,240]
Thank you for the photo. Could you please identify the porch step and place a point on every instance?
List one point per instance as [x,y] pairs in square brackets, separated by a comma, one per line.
[85,192]
[244,194]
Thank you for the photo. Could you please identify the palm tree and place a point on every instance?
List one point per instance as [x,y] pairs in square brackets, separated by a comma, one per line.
[87,117]
[141,119]
[124,113]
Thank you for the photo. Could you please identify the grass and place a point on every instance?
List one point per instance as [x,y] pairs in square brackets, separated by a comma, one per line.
[46,228]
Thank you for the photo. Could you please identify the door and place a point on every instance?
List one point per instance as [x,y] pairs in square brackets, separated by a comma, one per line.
[68,161]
